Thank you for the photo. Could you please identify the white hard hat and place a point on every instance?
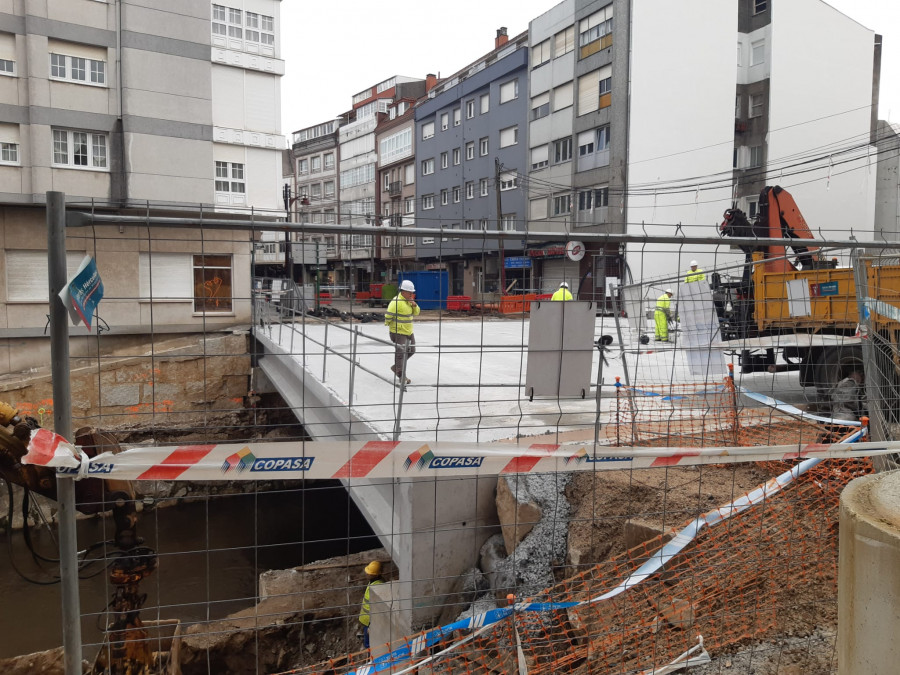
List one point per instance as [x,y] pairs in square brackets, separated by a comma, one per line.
[407,285]
[670,291]
[693,263]
[564,285]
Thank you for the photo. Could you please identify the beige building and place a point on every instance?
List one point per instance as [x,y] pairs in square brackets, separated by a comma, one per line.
[162,109]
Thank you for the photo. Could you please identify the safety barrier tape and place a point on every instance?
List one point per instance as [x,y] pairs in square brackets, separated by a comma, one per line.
[401,459]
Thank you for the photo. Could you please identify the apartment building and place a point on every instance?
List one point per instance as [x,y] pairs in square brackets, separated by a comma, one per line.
[395,140]
[471,161]
[90,108]
[359,195]
[632,132]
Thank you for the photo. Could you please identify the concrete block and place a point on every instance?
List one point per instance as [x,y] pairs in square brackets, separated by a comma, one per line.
[121,394]
[869,575]
[517,514]
[388,625]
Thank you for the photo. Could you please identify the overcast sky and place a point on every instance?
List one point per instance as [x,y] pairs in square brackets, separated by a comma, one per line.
[333,50]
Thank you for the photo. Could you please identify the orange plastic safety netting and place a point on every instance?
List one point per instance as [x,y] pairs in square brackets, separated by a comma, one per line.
[745,579]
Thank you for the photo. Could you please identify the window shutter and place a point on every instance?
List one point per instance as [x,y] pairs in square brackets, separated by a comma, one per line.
[539,208]
[507,91]
[540,154]
[589,92]
[170,274]
[562,96]
[507,136]
[540,99]
[27,276]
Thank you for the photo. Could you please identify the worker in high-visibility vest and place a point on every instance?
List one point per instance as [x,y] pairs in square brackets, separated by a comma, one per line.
[662,315]
[373,578]
[399,320]
[695,273]
[562,293]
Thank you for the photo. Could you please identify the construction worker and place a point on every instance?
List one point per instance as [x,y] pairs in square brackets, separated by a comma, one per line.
[695,273]
[373,578]
[562,293]
[662,315]
[399,320]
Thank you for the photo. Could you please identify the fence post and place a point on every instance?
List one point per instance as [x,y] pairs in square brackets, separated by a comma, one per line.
[62,425]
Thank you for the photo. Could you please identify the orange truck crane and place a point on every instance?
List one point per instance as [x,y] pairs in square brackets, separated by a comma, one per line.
[129,649]
[798,303]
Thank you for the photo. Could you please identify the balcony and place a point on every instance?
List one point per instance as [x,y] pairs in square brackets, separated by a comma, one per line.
[394,188]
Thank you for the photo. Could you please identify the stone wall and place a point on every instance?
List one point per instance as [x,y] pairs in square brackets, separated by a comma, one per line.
[180,383]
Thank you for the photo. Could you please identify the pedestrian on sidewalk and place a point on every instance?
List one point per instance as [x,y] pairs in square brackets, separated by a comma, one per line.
[662,315]
[373,578]
[399,320]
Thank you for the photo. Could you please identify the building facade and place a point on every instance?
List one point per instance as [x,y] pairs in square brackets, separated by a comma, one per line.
[470,162]
[89,108]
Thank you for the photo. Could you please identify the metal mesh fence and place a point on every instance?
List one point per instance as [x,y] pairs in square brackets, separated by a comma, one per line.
[522,476]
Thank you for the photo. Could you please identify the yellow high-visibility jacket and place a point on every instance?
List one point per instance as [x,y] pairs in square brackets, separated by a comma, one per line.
[366,608]
[663,303]
[399,316]
[561,294]
[695,275]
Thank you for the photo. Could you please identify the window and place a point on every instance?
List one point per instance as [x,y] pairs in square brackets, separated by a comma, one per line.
[470,150]
[315,164]
[302,166]
[329,216]
[79,149]
[427,130]
[470,109]
[562,204]
[76,68]
[752,207]
[212,283]
[540,156]
[756,105]
[329,188]
[540,106]
[508,222]
[427,202]
[427,166]
[760,6]
[396,146]
[483,185]
[562,96]
[757,52]
[409,205]
[485,103]
[445,121]
[359,175]
[603,138]
[470,225]
[562,150]
[9,153]
[260,28]
[509,91]
[737,106]
[219,17]
[7,66]
[329,159]
[564,41]
[457,115]
[470,189]
[538,208]
[593,199]
[509,136]
[540,54]
[596,26]
[586,141]
[755,156]
[508,181]
[445,197]
[455,156]
[230,177]
[483,224]
[26,274]
[739,52]
[456,195]
[445,160]
[410,171]
[315,190]
[483,146]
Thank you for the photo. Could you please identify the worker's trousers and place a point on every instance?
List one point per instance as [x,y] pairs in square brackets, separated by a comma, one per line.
[662,325]
[402,343]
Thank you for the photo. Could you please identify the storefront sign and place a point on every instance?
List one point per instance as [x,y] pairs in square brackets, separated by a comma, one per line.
[548,252]
[517,262]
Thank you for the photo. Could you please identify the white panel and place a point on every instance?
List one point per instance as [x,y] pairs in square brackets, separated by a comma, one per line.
[27,276]
[703,143]
[259,93]
[9,133]
[563,96]
[169,273]
[227,89]
[8,46]
[538,208]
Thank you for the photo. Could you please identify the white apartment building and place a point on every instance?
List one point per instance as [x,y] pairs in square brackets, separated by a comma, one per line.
[708,102]
[129,107]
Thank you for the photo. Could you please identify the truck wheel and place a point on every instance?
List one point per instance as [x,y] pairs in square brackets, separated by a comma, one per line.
[836,363]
